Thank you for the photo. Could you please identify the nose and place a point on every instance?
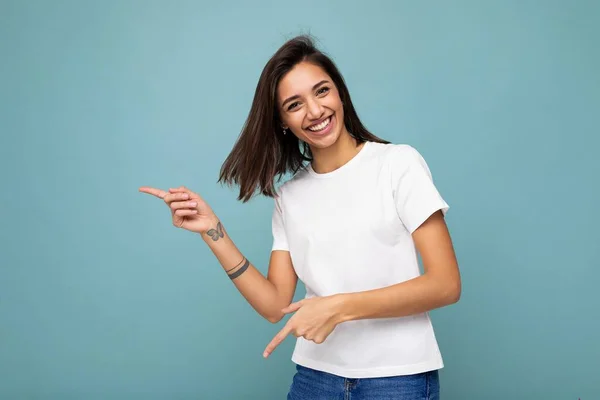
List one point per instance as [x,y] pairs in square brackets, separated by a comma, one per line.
[315,110]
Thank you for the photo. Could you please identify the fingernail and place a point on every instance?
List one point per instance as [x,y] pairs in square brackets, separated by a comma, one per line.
[185,196]
[193,204]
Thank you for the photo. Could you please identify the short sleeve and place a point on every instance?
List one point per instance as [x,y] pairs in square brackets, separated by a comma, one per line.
[277,225]
[415,196]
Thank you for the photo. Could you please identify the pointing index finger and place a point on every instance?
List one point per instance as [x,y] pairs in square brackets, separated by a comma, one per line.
[277,340]
[155,192]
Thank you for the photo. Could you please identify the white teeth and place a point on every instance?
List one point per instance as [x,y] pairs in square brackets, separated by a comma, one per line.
[321,126]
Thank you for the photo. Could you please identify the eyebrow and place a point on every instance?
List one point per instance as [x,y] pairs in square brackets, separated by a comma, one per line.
[297,96]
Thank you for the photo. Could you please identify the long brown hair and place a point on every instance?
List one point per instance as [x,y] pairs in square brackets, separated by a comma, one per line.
[261,152]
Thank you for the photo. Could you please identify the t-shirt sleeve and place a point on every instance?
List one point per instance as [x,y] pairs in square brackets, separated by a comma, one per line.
[277,225]
[415,195]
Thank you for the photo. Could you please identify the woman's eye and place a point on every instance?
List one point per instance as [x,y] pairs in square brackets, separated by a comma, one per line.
[322,90]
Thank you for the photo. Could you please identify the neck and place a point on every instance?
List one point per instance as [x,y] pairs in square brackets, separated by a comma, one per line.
[333,157]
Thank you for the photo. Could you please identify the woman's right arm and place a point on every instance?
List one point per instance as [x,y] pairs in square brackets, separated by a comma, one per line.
[268,296]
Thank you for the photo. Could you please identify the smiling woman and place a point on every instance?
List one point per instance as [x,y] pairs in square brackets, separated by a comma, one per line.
[300,91]
[349,224]
[312,114]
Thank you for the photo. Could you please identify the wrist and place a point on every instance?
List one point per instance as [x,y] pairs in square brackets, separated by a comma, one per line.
[214,230]
[343,307]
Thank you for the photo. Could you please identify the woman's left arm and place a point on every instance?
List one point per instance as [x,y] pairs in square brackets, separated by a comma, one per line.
[439,286]
[315,318]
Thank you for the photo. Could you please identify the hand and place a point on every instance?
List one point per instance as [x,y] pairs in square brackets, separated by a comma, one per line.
[188,210]
[314,320]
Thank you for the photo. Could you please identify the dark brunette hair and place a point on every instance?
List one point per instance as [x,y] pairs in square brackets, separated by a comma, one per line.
[262,152]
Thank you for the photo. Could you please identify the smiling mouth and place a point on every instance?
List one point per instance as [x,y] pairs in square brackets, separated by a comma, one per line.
[319,127]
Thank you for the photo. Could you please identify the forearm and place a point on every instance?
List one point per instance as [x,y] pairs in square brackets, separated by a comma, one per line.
[254,287]
[414,296]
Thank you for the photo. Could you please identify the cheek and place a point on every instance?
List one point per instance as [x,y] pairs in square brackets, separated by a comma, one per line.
[334,102]
[336,105]
[289,119]
[296,120]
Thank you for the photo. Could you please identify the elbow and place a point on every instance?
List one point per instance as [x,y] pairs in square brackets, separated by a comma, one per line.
[450,288]
[455,297]
[447,290]
[274,318]
[275,313]
[453,293]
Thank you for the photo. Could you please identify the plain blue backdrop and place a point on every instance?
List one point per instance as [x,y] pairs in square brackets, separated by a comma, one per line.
[101,298]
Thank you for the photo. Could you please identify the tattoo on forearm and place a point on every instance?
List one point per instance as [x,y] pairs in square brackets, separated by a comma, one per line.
[237,265]
[215,234]
[240,271]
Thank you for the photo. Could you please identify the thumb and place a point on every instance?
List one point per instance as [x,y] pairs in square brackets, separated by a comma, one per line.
[180,189]
[292,307]
[183,189]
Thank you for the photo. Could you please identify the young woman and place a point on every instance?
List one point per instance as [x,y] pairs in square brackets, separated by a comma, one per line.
[348,223]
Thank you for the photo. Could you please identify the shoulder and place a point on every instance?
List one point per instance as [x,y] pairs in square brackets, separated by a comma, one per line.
[403,160]
[398,155]
[293,182]
[402,150]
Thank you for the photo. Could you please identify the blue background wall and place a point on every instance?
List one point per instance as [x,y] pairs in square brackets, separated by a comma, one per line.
[100,297]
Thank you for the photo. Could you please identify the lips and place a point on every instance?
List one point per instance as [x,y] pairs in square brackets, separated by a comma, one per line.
[316,124]
[325,126]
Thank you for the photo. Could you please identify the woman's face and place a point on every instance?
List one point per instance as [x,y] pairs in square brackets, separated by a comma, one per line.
[310,105]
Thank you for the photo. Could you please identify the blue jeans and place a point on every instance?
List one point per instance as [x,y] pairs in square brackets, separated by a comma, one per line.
[309,384]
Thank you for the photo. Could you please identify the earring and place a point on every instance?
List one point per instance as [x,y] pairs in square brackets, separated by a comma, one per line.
[284,131]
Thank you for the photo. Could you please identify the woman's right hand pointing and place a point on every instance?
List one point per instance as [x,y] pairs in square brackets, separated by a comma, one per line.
[188,210]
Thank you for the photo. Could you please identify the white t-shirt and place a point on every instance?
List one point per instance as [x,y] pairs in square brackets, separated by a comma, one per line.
[349,231]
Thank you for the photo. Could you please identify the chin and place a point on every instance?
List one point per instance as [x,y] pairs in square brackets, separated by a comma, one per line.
[325,142]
